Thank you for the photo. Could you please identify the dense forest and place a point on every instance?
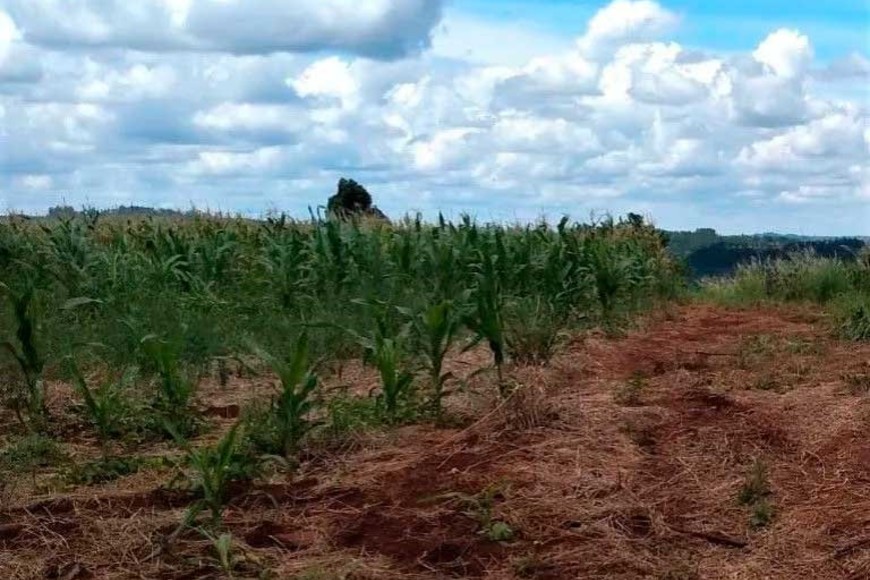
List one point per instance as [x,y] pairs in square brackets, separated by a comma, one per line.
[706,253]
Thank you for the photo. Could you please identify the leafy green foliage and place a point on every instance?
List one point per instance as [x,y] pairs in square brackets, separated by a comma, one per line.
[106,406]
[532,328]
[214,469]
[437,329]
[279,428]
[175,388]
[29,452]
[401,296]
[486,319]
[104,469]
[28,402]
[800,277]
[855,320]
[396,383]
[481,508]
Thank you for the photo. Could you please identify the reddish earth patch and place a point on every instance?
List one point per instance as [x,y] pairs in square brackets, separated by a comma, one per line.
[446,543]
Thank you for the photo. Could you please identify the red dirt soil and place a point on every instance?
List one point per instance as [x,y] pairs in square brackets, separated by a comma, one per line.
[592,485]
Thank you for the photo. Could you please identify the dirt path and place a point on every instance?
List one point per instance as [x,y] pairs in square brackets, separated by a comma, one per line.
[624,458]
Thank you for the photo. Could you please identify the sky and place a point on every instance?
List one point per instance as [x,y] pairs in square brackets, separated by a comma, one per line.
[746,116]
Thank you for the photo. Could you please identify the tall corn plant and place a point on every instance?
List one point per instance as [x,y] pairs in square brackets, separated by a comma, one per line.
[486,318]
[609,271]
[28,404]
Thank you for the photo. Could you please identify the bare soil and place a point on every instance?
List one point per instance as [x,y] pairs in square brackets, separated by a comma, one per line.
[591,483]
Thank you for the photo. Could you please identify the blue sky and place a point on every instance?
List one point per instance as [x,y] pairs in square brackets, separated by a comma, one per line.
[743,116]
[835,27]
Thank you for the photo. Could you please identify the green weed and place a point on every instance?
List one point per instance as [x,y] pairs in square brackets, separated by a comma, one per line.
[31,452]
[629,393]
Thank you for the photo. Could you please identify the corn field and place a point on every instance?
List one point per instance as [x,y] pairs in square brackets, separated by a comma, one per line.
[170,297]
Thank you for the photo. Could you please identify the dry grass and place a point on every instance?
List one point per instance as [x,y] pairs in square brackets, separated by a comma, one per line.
[591,487]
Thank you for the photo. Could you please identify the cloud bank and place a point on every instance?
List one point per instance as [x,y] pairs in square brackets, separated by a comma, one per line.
[257,105]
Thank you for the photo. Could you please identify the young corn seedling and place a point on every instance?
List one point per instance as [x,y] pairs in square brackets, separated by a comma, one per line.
[215,468]
[174,389]
[438,327]
[105,406]
[384,350]
[223,552]
[280,428]
[395,383]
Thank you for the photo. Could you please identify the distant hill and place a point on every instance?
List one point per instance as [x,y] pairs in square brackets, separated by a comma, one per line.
[706,253]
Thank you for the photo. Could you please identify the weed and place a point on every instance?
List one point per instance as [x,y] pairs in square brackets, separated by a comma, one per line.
[756,485]
[640,434]
[755,349]
[857,383]
[104,470]
[755,494]
[855,321]
[800,277]
[762,514]
[30,452]
[532,329]
[681,572]
[348,415]
[767,382]
[174,388]
[480,507]
[531,566]
[106,406]
[629,393]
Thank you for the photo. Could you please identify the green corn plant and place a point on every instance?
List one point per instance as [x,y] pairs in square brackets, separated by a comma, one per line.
[223,550]
[384,350]
[281,427]
[486,318]
[214,470]
[29,406]
[175,390]
[105,406]
[396,383]
[437,328]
